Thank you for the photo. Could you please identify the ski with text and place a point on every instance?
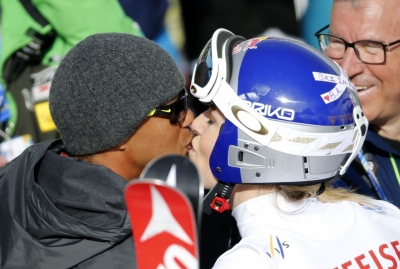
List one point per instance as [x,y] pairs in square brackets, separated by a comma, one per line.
[163,226]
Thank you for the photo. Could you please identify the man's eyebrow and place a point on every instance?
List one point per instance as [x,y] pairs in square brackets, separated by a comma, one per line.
[364,39]
[330,32]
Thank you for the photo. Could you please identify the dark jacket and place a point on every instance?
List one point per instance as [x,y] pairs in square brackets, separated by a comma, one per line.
[59,212]
[379,149]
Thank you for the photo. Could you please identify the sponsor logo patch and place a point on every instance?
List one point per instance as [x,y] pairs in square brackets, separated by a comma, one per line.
[342,84]
[248,44]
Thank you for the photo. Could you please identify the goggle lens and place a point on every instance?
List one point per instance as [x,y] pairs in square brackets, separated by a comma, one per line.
[204,66]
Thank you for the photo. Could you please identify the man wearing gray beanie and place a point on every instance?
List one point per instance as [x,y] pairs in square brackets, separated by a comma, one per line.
[118,101]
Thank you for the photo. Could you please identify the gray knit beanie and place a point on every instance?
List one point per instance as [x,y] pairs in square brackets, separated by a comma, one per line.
[104,88]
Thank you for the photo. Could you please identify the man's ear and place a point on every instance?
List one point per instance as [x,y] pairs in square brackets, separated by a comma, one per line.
[125,145]
[122,146]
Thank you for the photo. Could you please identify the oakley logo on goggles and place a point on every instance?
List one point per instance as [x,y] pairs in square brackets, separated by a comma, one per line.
[176,112]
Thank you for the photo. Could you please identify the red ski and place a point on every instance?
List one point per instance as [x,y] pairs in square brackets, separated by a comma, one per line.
[163,226]
[181,173]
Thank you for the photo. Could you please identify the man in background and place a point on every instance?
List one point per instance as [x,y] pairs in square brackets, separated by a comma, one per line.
[364,39]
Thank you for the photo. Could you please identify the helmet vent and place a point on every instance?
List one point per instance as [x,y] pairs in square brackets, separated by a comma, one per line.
[270,163]
[240,156]
[306,165]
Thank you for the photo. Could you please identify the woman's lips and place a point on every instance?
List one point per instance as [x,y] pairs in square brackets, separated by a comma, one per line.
[192,150]
[189,147]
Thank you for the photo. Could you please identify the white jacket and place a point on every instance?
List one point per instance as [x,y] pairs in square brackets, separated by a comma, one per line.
[312,234]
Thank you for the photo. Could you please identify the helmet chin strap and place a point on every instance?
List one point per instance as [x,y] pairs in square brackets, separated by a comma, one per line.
[321,189]
[220,203]
[361,127]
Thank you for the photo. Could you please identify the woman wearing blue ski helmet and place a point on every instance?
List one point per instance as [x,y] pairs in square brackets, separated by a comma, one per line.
[284,121]
[292,116]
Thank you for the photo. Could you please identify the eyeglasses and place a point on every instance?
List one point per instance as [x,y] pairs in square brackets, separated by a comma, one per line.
[176,112]
[368,51]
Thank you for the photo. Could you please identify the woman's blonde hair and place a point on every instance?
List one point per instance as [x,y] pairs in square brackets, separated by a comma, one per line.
[330,195]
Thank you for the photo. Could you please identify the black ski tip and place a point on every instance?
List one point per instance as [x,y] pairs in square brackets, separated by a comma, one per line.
[179,172]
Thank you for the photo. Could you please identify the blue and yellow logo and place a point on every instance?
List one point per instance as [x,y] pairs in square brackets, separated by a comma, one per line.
[276,247]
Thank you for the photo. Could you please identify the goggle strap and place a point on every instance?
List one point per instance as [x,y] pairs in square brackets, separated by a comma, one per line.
[222,37]
[229,45]
[225,98]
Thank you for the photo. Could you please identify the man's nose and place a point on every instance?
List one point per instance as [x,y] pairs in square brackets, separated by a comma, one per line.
[188,119]
[351,63]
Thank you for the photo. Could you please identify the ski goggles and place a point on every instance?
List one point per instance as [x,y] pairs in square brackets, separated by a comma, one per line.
[214,64]
[210,84]
[176,112]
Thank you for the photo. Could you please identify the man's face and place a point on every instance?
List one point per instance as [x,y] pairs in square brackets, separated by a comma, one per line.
[156,136]
[378,85]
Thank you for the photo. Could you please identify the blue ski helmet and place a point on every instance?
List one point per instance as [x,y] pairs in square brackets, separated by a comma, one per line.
[292,115]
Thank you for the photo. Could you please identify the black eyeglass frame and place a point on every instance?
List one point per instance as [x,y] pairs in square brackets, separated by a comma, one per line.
[352,45]
[173,111]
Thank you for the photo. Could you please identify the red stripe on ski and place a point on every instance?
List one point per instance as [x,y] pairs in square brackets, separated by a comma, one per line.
[163,225]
